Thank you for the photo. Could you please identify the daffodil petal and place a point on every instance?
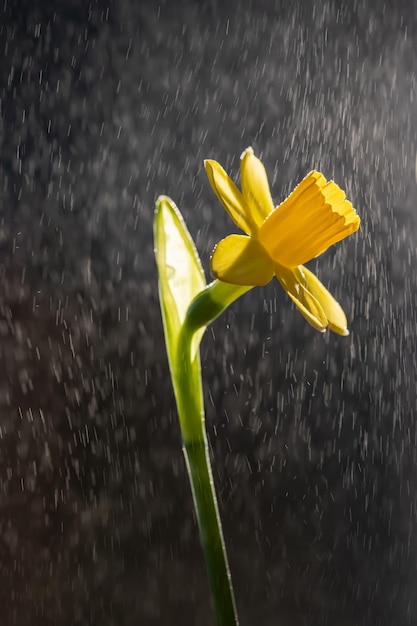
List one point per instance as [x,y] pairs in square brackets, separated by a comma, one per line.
[230,196]
[241,260]
[255,186]
[313,217]
[332,309]
[293,281]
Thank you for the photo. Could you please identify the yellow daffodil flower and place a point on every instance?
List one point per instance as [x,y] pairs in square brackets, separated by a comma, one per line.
[279,240]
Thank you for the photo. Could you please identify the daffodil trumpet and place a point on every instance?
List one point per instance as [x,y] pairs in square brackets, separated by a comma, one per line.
[279,240]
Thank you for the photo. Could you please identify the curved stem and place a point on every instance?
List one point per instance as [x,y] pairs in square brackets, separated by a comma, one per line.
[205,307]
[190,405]
[211,302]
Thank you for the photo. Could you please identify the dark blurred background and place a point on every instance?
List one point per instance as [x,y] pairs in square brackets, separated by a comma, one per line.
[104,106]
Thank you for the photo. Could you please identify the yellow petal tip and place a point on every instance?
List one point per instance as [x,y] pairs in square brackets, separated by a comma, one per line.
[248,151]
[344,332]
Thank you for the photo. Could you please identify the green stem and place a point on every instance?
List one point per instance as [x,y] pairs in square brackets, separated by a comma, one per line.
[190,405]
[206,306]
[205,502]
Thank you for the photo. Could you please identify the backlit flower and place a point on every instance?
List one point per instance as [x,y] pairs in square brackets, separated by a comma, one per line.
[279,240]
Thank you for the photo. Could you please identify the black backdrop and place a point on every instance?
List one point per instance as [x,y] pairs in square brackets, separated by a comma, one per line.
[104,106]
